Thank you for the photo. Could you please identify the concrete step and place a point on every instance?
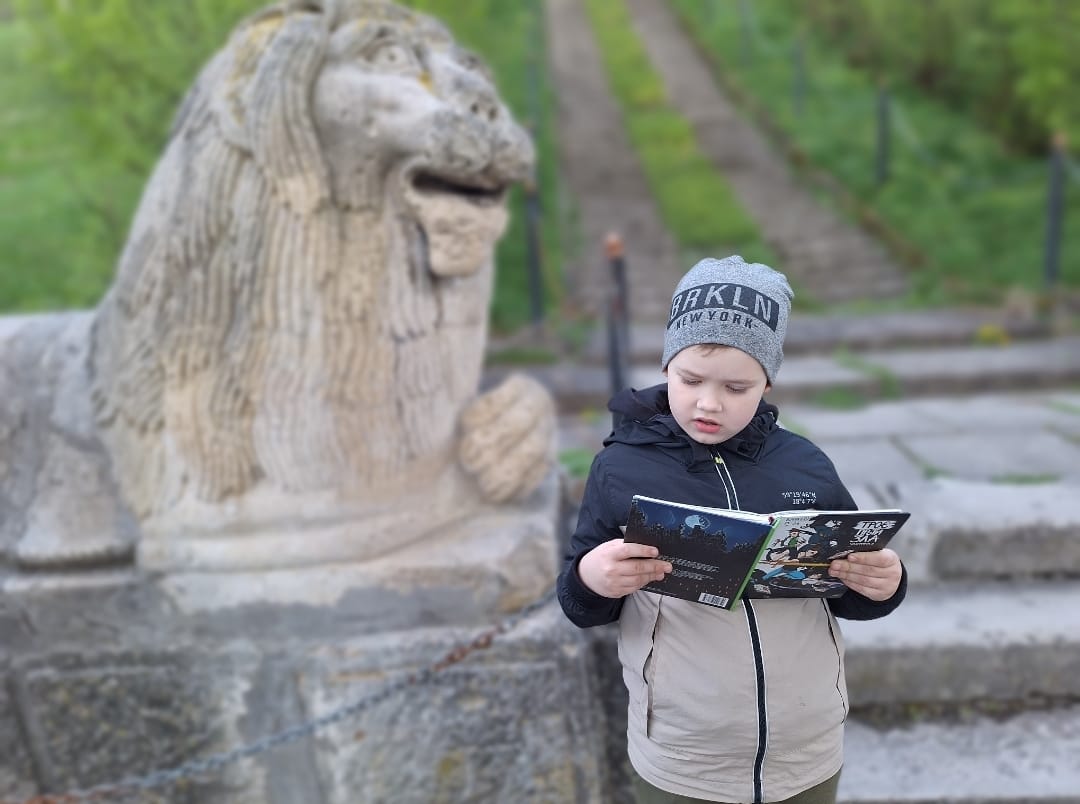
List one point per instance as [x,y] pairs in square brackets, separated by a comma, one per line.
[1031,758]
[869,375]
[956,644]
[969,530]
[825,333]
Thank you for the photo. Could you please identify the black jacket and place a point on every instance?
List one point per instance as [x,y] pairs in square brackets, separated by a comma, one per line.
[771,469]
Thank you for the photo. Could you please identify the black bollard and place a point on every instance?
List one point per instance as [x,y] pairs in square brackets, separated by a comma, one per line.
[618,324]
[881,161]
[1055,212]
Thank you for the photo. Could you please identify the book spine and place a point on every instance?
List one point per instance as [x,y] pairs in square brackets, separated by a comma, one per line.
[753,565]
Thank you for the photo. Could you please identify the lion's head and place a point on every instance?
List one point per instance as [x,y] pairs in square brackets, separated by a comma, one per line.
[301,305]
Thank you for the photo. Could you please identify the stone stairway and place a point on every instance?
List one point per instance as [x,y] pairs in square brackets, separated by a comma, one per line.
[602,176]
[867,357]
[970,691]
[822,254]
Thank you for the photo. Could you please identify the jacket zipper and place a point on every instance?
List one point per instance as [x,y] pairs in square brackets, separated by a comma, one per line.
[728,483]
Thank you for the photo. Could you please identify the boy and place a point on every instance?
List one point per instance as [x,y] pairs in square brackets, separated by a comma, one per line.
[729,706]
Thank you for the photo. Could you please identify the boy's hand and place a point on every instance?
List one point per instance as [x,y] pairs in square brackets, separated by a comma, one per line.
[875,574]
[617,568]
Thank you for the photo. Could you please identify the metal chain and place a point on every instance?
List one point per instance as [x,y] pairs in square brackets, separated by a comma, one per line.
[215,762]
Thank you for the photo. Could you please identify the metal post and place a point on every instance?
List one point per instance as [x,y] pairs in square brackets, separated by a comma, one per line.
[618,323]
[881,166]
[798,56]
[534,249]
[746,34]
[1055,212]
[533,239]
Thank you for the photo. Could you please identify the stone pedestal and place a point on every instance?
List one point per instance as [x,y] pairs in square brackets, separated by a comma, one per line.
[117,673]
[517,721]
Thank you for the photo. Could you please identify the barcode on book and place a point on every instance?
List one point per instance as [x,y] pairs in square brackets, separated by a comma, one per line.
[713,600]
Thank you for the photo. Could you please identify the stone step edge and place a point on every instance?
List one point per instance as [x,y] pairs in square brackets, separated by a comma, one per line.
[1030,758]
[946,644]
[822,334]
[871,376]
[972,529]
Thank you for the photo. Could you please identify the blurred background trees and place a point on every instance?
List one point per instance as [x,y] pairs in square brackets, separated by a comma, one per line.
[1012,64]
[88,89]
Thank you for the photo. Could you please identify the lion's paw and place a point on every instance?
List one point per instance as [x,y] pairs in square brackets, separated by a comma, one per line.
[508,438]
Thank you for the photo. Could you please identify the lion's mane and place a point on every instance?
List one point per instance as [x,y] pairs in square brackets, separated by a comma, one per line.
[260,329]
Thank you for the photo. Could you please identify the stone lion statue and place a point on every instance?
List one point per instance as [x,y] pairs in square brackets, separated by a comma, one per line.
[285,369]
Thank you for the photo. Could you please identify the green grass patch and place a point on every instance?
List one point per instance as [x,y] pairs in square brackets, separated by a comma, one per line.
[1062,406]
[839,398]
[887,382]
[1025,480]
[576,461]
[794,427]
[60,214]
[510,37]
[929,471]
[958,207]
[696,203]
[84,118]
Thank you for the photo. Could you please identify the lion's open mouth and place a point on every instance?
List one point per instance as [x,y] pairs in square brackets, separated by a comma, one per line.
[461,219]
[476,191]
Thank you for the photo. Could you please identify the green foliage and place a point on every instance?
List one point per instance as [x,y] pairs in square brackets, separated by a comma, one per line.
[1014,64]
[510,38]
[969,211]
[696,203]
[839,398]
[1026,480]
[576,461]
[90,89]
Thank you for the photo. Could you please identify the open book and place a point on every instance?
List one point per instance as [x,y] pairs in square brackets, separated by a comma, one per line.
[719,556]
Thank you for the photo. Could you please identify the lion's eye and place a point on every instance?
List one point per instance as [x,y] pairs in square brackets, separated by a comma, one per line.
[393,56]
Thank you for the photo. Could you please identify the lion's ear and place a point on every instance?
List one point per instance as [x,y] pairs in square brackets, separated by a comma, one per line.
[262,100]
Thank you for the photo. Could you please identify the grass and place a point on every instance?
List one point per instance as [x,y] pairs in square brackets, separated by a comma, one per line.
[48,235]
[839,398]
[886,380]
[1062,406]
[967,215]
[929,470]
[696,203]
[1025,480]
[66,214]
[576,461]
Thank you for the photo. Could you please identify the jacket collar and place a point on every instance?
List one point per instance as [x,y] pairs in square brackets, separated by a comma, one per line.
[644,417]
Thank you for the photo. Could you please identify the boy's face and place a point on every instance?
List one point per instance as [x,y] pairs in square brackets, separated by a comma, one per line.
[714,391]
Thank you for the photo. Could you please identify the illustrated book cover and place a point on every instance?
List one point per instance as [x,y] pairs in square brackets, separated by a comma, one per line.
[719,556]
[711,550]
[795,563]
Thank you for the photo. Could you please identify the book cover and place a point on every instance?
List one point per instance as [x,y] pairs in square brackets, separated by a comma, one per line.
[711,550]
[795,562]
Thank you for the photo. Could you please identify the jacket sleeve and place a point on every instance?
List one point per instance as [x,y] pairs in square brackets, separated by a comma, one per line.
[596,524]
[855,606]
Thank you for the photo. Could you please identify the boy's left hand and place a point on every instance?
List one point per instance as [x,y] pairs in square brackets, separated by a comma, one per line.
[875,574]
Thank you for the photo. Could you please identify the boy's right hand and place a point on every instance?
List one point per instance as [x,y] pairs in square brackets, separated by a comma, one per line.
[617,568]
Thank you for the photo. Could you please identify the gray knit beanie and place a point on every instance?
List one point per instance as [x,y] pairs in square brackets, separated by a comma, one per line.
[733,303]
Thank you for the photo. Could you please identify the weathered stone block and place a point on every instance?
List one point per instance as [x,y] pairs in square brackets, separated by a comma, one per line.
[519,721]
[89,719]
